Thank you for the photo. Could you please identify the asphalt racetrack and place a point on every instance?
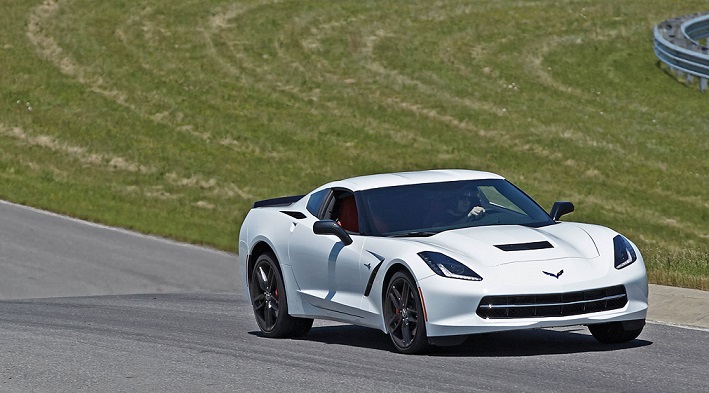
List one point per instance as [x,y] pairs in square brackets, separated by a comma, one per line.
[89,308]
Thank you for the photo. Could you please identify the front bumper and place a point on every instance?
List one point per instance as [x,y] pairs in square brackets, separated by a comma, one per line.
[451,304]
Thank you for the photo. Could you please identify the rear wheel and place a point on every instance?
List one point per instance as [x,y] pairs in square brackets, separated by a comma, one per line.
[268,298]
[403,314]
[616,332]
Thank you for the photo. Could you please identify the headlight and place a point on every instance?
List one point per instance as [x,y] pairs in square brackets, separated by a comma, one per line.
[446,266]
[624,252]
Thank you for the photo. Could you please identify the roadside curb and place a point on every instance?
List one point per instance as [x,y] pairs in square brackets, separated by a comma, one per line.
[680,306]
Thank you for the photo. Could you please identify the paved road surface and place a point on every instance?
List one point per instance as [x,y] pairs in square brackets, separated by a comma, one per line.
[135,336]
[194,342]
[46,255]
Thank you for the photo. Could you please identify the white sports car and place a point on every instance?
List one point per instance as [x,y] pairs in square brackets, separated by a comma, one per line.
[431,257]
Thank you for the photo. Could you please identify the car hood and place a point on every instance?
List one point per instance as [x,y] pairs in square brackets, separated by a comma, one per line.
[498,245]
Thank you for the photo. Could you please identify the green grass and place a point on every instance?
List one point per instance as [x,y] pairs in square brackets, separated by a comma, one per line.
[172,117]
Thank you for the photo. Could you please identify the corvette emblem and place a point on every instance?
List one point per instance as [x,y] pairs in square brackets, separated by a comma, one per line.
[554,275]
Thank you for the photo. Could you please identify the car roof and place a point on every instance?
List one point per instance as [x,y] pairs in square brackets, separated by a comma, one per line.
[405,178]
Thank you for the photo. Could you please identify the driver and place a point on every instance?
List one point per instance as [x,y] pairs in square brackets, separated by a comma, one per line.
[465,207]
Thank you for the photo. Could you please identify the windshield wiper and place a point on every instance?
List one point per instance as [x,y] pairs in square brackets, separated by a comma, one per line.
[415,234]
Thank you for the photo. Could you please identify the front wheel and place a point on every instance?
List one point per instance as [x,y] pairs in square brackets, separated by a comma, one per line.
[268,297]
[403,314]
[616,332]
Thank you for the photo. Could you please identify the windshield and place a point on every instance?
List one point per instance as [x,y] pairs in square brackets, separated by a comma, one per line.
[426,209]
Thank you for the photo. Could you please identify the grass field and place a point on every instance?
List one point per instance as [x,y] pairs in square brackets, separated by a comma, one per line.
[172,117]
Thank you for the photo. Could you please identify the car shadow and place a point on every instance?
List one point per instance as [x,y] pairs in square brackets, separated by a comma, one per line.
[534,342]
[530,342]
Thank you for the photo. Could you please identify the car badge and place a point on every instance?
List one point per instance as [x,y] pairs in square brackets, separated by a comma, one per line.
[554,275]
[368,265]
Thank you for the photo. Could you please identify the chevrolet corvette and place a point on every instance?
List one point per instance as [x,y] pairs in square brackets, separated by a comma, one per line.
[432,257]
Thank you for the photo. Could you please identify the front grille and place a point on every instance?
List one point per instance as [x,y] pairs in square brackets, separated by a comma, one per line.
[552,304]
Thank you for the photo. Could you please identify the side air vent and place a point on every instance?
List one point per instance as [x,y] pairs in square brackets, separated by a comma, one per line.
[296,215]
[524,246]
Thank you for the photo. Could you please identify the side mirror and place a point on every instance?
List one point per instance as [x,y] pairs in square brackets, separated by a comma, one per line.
[560,208]
[330,227]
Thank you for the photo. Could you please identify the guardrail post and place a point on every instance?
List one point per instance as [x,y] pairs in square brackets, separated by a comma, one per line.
[702,84]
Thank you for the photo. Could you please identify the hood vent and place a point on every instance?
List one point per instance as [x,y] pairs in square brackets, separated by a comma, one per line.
[524,246]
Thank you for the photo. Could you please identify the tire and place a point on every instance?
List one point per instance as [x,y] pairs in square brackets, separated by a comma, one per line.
[613,332]
[268,298]
[403,315]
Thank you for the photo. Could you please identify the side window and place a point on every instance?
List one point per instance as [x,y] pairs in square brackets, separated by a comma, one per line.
[316,200]
[345,212]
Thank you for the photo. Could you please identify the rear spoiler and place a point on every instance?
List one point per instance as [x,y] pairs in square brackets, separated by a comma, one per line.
[282,201]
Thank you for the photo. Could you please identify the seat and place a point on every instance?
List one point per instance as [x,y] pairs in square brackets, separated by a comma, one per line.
[348,219]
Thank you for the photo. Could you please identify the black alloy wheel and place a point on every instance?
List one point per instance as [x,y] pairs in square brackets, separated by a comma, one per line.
[268,298]
[403,314]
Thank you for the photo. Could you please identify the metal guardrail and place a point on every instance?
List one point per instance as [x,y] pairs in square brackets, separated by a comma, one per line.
[677,44]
